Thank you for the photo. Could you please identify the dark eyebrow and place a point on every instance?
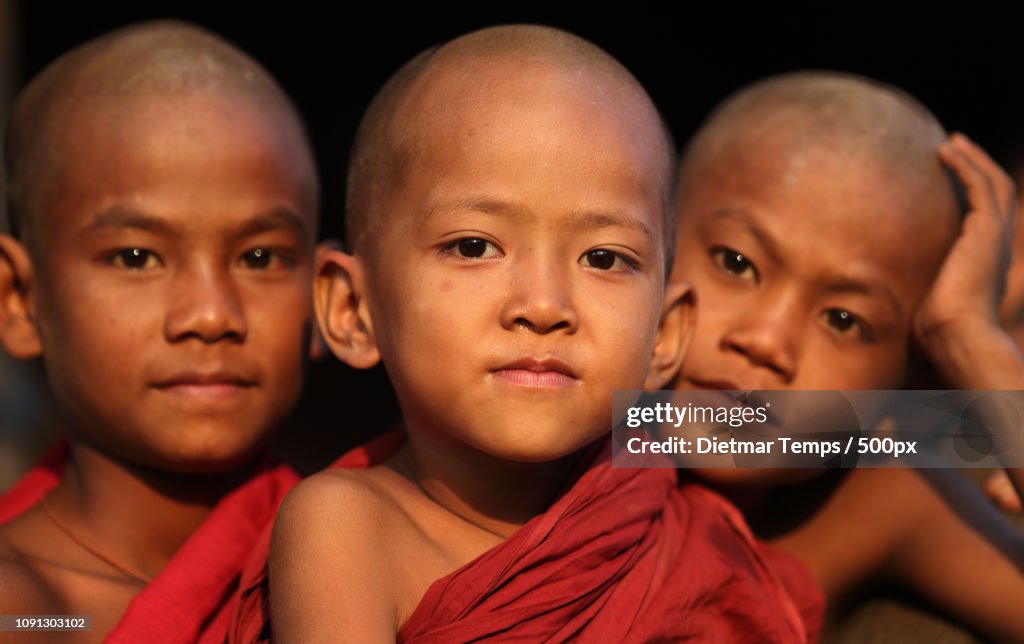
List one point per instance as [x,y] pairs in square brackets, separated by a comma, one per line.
[121,217]
[586,219]
[760,234]
[275,219]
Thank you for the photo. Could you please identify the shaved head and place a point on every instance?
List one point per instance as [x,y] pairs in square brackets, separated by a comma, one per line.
[113,75]
[505,67]
[803,115]
[814,215]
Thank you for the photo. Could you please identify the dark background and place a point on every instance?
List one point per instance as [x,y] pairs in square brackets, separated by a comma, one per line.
[965,66]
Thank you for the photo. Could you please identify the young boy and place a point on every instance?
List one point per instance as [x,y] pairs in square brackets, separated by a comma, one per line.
[164,203]
[822,236]
[510,223]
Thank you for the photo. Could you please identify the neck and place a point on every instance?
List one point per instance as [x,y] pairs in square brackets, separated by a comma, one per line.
[496,495]
[139,516]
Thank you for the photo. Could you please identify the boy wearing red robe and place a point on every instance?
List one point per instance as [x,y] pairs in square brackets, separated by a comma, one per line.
[163,202]
[510,226]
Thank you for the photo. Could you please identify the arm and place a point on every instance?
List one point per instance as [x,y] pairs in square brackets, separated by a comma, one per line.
[898,525]
[957,324]
[328,564]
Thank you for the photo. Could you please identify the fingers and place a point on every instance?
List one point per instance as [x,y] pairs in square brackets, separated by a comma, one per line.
[1001,490]
[988,186]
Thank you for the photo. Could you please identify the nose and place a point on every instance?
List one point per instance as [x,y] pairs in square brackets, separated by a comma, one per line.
[205,305]
[540,300]
[767,336]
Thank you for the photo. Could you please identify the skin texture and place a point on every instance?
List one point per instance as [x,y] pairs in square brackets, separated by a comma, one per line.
[796,243]
[798,249]
[386,142]
[191,290]
[1011,311]
[515,281]
[163,276]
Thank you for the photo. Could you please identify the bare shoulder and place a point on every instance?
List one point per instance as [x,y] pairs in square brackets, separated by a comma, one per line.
[330,566]
[337,493]
[334,508]
[23,591]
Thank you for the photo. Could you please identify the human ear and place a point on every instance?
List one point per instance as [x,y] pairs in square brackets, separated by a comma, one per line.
[339,290]
[674,334]
[318,348]
[19,334]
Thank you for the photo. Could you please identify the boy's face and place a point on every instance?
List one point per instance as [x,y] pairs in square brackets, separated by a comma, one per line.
[172,261]
[807,269]
[518,278]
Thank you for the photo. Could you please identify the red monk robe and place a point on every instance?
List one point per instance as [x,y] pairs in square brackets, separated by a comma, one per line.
[193,597]
[32,487]
[623,555]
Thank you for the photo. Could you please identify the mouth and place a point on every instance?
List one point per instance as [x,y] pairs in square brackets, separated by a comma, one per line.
[208,385]
[537,374]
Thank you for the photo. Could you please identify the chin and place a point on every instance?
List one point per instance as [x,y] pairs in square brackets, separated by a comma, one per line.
[539,446]
[206,455]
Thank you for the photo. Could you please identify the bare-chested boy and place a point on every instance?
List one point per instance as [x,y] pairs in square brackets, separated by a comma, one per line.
[164,200]
[510,223]
[823,237]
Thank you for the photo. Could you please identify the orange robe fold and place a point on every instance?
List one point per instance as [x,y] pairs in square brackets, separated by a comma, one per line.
[623,555]
[194,596]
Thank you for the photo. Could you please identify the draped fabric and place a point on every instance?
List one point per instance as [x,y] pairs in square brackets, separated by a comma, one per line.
[34,485]
[623,555]
[194,596]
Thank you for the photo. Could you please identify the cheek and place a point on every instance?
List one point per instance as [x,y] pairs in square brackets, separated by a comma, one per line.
[855,368]
[89,325]
[890,369]
[84,353]
[423,322]
[280,323]
[624,328]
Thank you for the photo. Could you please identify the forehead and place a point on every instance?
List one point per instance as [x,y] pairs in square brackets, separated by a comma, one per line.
[167,152]
[825,212]
[534,131]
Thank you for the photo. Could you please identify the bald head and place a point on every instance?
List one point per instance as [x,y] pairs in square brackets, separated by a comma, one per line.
[814,214]
[806,115]
[479,79]
[113,75]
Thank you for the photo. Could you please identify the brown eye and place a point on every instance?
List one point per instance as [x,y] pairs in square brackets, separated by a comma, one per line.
[840,320]
[846,324]
[257,258]
[601,259]
[472,248]
[735,263]
[607,260]
[135,259]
